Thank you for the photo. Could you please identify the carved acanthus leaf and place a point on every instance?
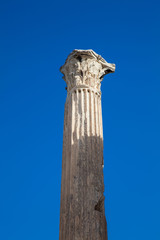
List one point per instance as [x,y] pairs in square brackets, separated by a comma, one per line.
[85,67]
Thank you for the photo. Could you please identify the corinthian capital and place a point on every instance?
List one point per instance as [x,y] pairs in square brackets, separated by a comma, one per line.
[85,68]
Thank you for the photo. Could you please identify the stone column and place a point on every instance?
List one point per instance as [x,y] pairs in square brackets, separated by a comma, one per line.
[82,215]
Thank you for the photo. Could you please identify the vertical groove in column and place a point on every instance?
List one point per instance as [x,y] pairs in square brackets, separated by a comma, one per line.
[82,162]
[95,110]
[97,180]
[64,199]
[89,180]
[68,166]
[76,167]
[75,162]
[87,137]
[82,109]
[101,119]
[66,163]
[99,140]
[96,130]
[95,171]
[71,214]
[84,165]
[100,137]
[92,158]
[77,207]
[62,181]
[93,113]
[101,124]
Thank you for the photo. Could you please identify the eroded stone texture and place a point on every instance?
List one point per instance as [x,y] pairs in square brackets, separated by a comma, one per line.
[82,214]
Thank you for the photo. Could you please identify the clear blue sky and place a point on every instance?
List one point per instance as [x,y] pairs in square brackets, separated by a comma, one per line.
[35,39]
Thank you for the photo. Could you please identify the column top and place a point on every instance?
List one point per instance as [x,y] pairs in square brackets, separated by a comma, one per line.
[85,68]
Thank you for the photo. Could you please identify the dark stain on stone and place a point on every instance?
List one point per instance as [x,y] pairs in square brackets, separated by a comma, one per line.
[79,58]
[100,204]
[81,73]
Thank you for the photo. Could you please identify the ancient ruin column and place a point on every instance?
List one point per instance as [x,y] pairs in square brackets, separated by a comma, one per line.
[82,215]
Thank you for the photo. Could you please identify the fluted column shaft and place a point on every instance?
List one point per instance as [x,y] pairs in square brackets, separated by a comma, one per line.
[82,215]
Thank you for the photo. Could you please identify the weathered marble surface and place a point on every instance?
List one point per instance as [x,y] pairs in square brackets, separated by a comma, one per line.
[82,214]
